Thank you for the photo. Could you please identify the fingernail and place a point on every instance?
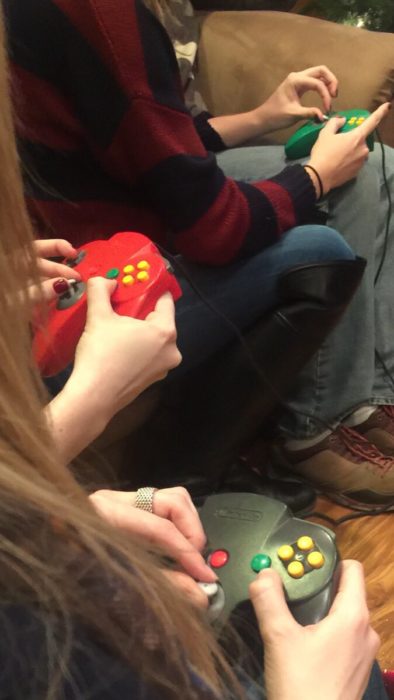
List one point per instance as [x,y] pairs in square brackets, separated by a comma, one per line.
[61,286]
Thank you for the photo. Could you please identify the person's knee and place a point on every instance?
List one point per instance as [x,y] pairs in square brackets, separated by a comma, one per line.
[323,243]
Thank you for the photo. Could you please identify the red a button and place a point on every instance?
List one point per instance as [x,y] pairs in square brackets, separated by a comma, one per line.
[218,558]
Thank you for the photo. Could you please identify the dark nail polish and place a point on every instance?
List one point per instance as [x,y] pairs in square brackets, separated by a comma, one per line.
[61,286]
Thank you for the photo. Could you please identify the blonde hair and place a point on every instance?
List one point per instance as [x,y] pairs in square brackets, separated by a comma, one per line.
[55,552]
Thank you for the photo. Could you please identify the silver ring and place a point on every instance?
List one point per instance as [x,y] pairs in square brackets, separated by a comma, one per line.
[144,498]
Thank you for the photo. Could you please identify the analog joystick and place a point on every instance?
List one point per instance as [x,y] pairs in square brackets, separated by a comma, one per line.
[73,294]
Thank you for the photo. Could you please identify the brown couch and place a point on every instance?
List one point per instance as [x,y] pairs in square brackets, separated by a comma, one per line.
[244,55]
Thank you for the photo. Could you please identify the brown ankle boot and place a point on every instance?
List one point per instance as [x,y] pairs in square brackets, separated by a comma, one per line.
[346,465]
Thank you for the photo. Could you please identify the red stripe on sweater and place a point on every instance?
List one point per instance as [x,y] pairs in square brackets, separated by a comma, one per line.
[281,202]
[219,234]
[44,114]
[114,34]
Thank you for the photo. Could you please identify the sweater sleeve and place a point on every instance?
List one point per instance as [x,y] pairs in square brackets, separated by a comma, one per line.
[209,136]
[147,139]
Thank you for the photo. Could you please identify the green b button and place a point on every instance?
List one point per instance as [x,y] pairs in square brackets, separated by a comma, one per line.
[112,273]
[260,562]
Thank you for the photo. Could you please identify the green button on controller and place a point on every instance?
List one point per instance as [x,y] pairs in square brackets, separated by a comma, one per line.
[260,562]
[112,273]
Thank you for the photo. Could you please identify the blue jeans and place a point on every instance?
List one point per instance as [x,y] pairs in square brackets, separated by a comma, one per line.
[244,291]
[344,373]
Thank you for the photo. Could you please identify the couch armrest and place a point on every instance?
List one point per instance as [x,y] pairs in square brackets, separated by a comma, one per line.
[243,56]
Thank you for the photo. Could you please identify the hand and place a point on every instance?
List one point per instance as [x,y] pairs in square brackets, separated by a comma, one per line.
[118,357]
[188,587]
[330,660]
[339,157]
[284,107]
[174,526]
[51,271]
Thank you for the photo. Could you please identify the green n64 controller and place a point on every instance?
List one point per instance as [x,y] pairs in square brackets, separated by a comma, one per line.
[301,142]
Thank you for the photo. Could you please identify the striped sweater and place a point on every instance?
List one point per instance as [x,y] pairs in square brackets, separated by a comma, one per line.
[107,143]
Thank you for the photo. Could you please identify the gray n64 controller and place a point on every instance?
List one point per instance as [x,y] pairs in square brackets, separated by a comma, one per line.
[247,533]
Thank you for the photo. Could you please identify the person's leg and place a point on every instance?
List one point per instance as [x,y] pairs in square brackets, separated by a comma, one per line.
[343,382]
[243,292]
[197,430]
[337,381]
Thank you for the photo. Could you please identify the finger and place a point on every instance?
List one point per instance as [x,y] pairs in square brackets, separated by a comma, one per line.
[178,507]
[47,268]
[351,595]
[317,86]
[270,606]
[324,73]
[372,122]
[54,247]
[44,291]
[164,312]
[312,113]
[156,530]
[333,125]
[188,587]
[99,291]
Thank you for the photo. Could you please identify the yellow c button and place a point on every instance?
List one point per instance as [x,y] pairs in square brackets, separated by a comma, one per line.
[143,265]
[296,569]
[315,560]
[128,269]
[128,280]
[286,552]
[305,543]
[142,276]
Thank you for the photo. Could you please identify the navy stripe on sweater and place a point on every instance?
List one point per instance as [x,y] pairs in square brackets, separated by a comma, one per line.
[111,69]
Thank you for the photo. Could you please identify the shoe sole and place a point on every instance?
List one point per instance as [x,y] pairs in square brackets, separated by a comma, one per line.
[354,504]
[348,500]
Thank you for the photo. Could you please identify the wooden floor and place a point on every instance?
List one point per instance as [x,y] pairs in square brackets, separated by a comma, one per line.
[371,541]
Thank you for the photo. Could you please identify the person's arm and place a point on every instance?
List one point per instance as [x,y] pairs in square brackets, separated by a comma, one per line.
[282,109]
[129,99]
[173,525]
[117,358]
[331,660]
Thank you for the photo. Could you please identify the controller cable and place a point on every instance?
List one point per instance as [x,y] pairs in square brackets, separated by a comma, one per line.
[177,265]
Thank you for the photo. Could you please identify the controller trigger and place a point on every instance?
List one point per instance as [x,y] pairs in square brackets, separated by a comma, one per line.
[73,262]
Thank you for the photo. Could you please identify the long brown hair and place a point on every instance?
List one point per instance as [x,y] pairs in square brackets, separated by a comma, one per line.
[56,554]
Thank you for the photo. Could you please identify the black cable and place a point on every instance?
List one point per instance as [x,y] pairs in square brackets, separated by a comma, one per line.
[256,365]
[238,334]
[385,245]
[335,522]
[389,210]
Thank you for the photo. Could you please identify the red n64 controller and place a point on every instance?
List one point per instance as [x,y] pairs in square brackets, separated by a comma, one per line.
[142,274]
